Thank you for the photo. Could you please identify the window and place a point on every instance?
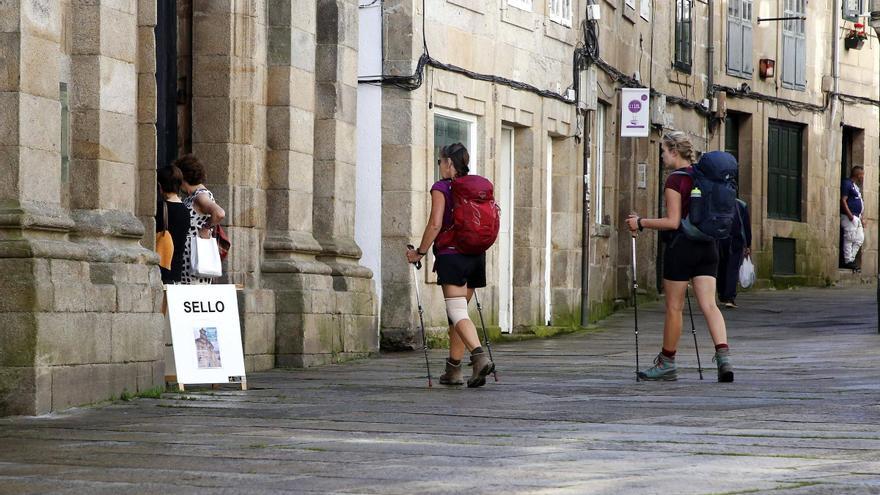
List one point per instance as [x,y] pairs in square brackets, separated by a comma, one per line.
[784,253]
[853,9]
[794,46]
[739,38]
[454,127]
[598,203]
[560,11]
[521,4]
[683,35]
[785,149]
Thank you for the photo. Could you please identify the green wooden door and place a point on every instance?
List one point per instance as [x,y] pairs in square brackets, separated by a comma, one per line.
[785,149]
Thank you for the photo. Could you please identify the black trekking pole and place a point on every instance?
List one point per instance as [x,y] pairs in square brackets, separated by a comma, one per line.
[485,333]
[694,331]
[635,305]
[415,267]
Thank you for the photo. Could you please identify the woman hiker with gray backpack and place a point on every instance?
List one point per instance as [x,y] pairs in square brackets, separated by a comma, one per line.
[463,224]
[700,204]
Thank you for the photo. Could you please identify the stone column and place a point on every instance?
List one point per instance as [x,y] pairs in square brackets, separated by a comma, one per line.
[404,150]
[81,323]
[229,137]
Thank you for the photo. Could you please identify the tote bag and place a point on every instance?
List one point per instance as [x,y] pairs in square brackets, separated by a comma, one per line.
[205,257]
[164,243]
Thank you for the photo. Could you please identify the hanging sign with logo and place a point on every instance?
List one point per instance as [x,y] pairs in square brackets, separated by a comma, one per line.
[635,112]
[206,334]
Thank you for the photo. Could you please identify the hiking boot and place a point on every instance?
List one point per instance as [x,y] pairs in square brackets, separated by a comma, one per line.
[663,369]
[453,375]
[482,366]
[730,305]
[725,370]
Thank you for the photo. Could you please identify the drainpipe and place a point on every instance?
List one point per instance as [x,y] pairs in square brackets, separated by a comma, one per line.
[710,67]
[585,227]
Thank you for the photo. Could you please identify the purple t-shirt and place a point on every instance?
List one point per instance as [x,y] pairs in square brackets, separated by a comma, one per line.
[445,186]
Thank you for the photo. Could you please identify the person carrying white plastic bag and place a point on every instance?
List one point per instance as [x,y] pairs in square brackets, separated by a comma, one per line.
[747,273]
[202,254]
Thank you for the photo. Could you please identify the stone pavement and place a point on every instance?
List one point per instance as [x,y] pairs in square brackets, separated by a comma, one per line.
[566,417]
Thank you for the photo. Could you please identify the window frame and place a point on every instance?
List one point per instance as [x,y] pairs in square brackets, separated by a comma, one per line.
[736,15]
[560,11]
[683,59]
[862,10]
[525,5]
[471,120]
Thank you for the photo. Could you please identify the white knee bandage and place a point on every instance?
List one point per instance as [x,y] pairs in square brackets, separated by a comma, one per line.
[457,309]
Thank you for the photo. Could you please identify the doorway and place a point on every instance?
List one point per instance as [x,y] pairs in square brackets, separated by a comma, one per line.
[505,234]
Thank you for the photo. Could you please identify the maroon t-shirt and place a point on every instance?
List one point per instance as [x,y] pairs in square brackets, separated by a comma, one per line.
[683,184]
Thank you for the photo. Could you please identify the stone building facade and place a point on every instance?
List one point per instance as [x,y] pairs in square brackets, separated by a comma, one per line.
[264,93]
[706,80]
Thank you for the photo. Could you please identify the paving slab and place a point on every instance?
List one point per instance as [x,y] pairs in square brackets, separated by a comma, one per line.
[565,417]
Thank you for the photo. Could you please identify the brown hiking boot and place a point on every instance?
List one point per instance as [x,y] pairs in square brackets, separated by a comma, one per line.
[482,366]
[453,375]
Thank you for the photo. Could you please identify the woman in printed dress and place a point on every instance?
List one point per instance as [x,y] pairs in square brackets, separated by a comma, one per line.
[205,213]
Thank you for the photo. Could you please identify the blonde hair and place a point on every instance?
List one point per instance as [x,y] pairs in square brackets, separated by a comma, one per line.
[679,142]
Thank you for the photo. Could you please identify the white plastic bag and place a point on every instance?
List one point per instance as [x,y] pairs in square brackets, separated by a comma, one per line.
[747,273]
[205,257]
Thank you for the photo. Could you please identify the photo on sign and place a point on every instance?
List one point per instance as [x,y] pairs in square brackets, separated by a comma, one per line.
[207,347]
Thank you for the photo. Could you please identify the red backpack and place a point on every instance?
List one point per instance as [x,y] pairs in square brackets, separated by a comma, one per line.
[475,216]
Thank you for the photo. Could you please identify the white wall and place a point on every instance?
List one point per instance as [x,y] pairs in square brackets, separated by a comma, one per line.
[368,198]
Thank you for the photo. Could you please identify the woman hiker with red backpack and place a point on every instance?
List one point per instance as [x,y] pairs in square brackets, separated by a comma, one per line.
[684,259]
[458,273]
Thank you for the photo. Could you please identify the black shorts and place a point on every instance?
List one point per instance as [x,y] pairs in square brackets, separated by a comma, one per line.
[685,259]
[461,269]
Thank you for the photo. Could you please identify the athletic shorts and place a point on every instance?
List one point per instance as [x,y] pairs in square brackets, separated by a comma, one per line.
[685,259]
[461,269]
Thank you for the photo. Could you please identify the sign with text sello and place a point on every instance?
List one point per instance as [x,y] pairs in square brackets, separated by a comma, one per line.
[635,112]
[206,333]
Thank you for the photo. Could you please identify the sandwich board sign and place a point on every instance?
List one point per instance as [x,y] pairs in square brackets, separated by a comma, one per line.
[635,112]
[206,334]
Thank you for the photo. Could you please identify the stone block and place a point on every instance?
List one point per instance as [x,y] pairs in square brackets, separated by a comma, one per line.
[9,121]
[289,333]
[134,298]
[18,332]
[119,35]
[146,99]
[86,38]
[118,86]
[42,182]
[118,139]
[212,26]
[147,13]
[137,337]
[10,61]
[78,385]
[41,18]
[17,386]
[361,334]
[100,298]
[9,168]
[123,378]
[40,125]
[72,338]
[116,186]
[212,76]
[260,362]
[259,334]
[302,89]
[211,120]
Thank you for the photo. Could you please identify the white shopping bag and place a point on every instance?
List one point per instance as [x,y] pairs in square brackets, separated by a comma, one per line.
[747,273]
[205,257]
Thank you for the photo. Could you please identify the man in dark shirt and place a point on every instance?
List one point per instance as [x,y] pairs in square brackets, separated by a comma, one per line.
[731,253]
[851,209]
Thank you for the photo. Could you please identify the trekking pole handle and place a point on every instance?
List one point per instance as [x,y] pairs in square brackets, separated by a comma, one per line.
[417,263]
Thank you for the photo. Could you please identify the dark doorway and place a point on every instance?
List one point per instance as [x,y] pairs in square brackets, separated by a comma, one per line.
[852,152]
[173,80]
